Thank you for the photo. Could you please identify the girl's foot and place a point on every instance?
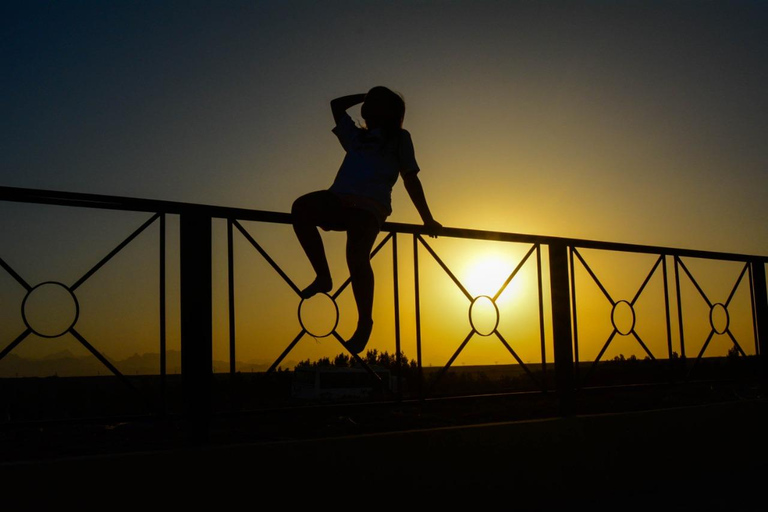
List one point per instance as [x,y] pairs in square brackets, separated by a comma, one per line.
[359,340]
[318,286]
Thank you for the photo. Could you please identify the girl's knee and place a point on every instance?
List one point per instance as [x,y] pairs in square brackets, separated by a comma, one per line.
[302,210]
[312,203]
[299,205]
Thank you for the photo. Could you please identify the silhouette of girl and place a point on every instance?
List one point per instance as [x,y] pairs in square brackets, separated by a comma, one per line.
[359,200]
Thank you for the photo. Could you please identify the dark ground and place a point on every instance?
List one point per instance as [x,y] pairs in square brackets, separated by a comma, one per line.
[691,448]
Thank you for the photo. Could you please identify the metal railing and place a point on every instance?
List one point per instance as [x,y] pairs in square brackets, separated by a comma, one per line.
[565,258]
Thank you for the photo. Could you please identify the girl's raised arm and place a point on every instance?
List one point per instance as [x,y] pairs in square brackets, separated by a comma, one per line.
[340,105]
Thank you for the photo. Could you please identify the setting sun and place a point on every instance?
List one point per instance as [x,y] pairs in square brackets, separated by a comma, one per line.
[485,274]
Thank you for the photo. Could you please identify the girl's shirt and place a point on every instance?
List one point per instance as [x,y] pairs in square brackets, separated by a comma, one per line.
[371,167]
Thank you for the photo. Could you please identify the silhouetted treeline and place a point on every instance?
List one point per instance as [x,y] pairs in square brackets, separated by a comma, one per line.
[372,357]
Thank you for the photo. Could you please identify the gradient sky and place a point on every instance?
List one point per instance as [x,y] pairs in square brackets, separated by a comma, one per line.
[631,121]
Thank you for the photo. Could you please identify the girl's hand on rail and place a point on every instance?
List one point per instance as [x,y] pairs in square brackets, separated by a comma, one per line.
[432,228]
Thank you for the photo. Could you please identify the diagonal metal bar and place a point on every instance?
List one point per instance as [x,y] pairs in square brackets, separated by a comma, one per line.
[348,281]
[594,277]
[103,360]
[647,279]
[607,343]
[266,256]
[736,343]
[600,355]
[511,351]
[451,360]
[642,344]
[14,275]
[695,283]
[114,251]
[359,360]
[736,286]
[446,269]
[286,351]
[517,358]
[701,352]
[706,344]
[15,342]
[514,273]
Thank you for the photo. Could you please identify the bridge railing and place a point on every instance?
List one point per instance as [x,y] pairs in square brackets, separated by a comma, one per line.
[555,353]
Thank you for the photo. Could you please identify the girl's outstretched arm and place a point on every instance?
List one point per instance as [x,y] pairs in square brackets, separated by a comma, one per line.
[416,193]
[340,105]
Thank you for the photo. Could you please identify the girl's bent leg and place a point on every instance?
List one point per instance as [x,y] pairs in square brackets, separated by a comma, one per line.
[307,213]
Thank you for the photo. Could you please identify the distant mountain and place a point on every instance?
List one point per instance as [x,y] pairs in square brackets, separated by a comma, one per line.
[64,354]
[61,364]
[65,364]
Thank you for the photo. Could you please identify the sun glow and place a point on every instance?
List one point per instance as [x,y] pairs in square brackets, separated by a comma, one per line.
[487,273]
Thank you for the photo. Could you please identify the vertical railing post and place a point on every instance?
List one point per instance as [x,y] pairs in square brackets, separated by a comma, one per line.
[760,305]
[561,325]
[196,322]
[396,290]
[231,297]
[163,347]
[417,312]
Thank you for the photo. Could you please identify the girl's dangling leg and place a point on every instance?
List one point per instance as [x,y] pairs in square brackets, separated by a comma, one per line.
[361,235]
[307,212]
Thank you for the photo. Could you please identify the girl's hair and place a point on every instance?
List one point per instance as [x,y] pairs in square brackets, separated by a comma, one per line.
[384,108]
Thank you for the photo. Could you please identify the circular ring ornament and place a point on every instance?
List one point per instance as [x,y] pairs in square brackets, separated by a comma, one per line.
[335,323]
[719,306]
[495,307]
[632,314]
[38,331]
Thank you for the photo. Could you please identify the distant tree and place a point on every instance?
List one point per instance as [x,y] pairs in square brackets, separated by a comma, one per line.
[733,352]
[342,360]
[372,356]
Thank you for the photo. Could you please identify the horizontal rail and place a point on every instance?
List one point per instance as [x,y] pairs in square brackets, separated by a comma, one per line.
[27,195]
